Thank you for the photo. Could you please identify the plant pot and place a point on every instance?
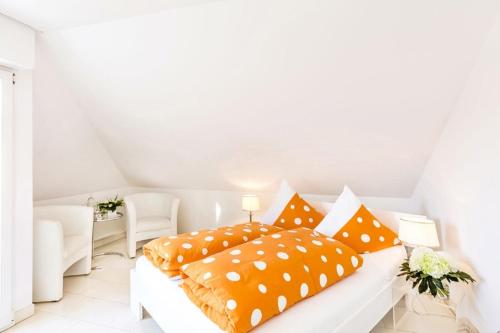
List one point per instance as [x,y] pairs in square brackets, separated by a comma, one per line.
[112,215]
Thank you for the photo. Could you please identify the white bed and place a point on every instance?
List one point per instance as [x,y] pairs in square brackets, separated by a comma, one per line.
[355,304]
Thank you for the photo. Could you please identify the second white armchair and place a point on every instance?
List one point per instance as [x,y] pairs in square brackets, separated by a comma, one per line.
[62,238]
[150,215]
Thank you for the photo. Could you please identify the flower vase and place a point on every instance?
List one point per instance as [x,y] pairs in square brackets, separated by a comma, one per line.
[112,215]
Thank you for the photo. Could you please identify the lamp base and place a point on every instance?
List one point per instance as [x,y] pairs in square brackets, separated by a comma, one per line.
[409,250]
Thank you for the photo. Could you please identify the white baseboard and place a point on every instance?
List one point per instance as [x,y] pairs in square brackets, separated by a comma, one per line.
[24,313]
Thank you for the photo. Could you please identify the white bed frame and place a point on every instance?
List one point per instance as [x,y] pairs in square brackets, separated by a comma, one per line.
[144,296]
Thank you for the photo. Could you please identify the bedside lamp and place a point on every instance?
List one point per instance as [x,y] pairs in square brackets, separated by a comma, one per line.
[416,233]
[250,203]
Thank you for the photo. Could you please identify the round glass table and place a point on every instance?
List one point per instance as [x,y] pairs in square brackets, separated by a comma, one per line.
[106,219]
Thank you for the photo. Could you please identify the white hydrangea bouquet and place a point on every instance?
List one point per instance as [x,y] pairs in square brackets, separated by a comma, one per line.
[432,272]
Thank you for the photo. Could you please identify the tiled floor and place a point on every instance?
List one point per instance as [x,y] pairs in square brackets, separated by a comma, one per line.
[98,303]
[93,304]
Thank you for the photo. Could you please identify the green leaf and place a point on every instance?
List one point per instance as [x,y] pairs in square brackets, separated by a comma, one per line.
[415,284]
[422,288]
[432,287]
[439,284]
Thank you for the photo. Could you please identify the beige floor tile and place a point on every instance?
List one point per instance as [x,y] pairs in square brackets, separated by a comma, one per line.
[108,291]
[112,274]
[64,306]
[76,284]
[104,313]
[412,322]
[84,327]
[147,325]
[43,322]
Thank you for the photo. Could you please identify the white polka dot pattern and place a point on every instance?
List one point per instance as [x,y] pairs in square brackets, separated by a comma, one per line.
[281,303]
[169,253]
[233,276]
[298,212]
[231,304]
[323,280]
[260,265]
[304,290]
[365,233]
[307,264]
[262,288]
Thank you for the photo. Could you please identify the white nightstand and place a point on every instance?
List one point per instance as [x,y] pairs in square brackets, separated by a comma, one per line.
[423,310]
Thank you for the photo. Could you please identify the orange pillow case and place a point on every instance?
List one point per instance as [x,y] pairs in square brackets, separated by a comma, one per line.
[298,213]
[290,211]
[364,233]
[350,222]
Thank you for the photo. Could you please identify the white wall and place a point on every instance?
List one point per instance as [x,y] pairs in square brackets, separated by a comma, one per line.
[17,44]
[17,52]
[68,156]
[204,209]
[461,183]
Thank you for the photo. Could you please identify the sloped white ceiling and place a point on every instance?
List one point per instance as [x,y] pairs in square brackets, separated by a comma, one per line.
[45,15]
[68,157]
[239,94]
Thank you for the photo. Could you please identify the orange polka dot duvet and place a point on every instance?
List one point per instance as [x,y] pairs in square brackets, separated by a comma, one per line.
[169,253]
[245,286]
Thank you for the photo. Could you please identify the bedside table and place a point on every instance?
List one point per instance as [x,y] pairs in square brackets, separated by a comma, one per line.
[424,306]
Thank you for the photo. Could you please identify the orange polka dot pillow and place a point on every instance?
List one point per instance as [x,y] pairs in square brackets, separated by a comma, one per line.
[290,211]
[245,286]
[350,222]
[169,253]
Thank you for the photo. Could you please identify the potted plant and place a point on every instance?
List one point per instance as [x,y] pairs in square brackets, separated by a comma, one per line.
[108,208]
[431,272]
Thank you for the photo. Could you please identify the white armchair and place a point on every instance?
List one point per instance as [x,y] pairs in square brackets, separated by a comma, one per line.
[150,215]
[62,246]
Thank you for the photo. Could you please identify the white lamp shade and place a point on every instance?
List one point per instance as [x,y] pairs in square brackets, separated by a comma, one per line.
[418,232]
[250,203]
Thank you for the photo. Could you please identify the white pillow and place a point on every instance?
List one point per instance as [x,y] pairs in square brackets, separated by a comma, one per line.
[342,210]
[347,205]
[283,196]
[323,206]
